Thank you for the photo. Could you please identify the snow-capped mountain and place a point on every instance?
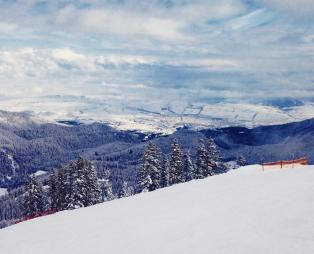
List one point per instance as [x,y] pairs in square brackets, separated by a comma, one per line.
[230,213]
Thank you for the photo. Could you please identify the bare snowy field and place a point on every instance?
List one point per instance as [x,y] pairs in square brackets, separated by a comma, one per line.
[154,117]
[245,211]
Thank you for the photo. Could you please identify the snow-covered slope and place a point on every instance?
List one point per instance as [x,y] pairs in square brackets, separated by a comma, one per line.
[245,211]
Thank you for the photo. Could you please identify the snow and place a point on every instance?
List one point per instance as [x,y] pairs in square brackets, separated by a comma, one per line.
[245,211]
[14,165]
[149,117]
[20,119]
[3,191]
[40,173]
[231,164]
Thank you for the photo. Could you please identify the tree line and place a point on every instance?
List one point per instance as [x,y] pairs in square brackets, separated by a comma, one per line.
[70,187]
[158,170]
[77,185]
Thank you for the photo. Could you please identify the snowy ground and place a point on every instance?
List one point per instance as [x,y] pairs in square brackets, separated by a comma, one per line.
[245,211]
[3,191]
[40,173]
[154,117]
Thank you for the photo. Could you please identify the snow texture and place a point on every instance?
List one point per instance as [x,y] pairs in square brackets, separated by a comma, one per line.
[245,211]
[3,191]
[151,117]
[40,173]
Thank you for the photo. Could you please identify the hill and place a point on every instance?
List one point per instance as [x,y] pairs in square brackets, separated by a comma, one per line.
[28,145]
[243,211]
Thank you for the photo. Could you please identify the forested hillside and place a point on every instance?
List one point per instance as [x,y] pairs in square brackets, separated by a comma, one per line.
[27,146]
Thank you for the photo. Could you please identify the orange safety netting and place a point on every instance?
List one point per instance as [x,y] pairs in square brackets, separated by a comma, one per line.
[33,216]
[300,161]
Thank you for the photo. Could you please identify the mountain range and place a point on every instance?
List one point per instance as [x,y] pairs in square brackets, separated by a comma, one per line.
[163,117]
[28,145]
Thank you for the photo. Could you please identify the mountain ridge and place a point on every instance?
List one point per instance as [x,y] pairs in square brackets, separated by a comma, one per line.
[34,145]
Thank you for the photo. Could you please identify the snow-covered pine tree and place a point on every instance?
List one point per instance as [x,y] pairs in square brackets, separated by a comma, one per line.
[106,187]
[176,164]
[213,158]
[53,191]
[77,185]
[188,168]
[201,161]
[149,175]
[72,188]
[63,188]
[34,201]
[165,172]
[83,183]
[125,190]
[155,169]
[106,190]
[241,161]
[92,195]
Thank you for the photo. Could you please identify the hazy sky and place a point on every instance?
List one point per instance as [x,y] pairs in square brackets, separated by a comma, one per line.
[195,51]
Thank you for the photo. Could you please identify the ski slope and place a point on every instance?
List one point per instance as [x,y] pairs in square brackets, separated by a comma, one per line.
[244,211]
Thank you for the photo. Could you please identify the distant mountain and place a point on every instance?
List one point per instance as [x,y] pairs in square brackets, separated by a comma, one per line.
[283,103]
[163,117]
[28,145]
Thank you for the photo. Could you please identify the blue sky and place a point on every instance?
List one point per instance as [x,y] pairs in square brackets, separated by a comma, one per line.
[157,51]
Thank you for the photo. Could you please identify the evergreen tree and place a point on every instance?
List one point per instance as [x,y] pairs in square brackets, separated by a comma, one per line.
[201,161]
[106,187]
[188,168]
[70,187]
[83,184]
[241,161]
[213,158]
[176,164]
[92,194]
[53,191]
[34,201]
[77,185]
[106,190]
[125,190]
[63,188]
[165,172]
[149,175]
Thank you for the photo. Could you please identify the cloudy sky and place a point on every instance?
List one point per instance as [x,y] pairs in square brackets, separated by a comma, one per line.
[157,51]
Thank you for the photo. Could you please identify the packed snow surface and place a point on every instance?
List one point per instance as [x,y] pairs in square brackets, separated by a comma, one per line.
[245,211]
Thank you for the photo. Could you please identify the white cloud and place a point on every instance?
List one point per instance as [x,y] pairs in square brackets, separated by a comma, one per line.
[67,54]
[208,64]
[140,86]
[8,28]
[124,24]
[116,49]
[147,19]
[65,63]
[124,59]
[300,8]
